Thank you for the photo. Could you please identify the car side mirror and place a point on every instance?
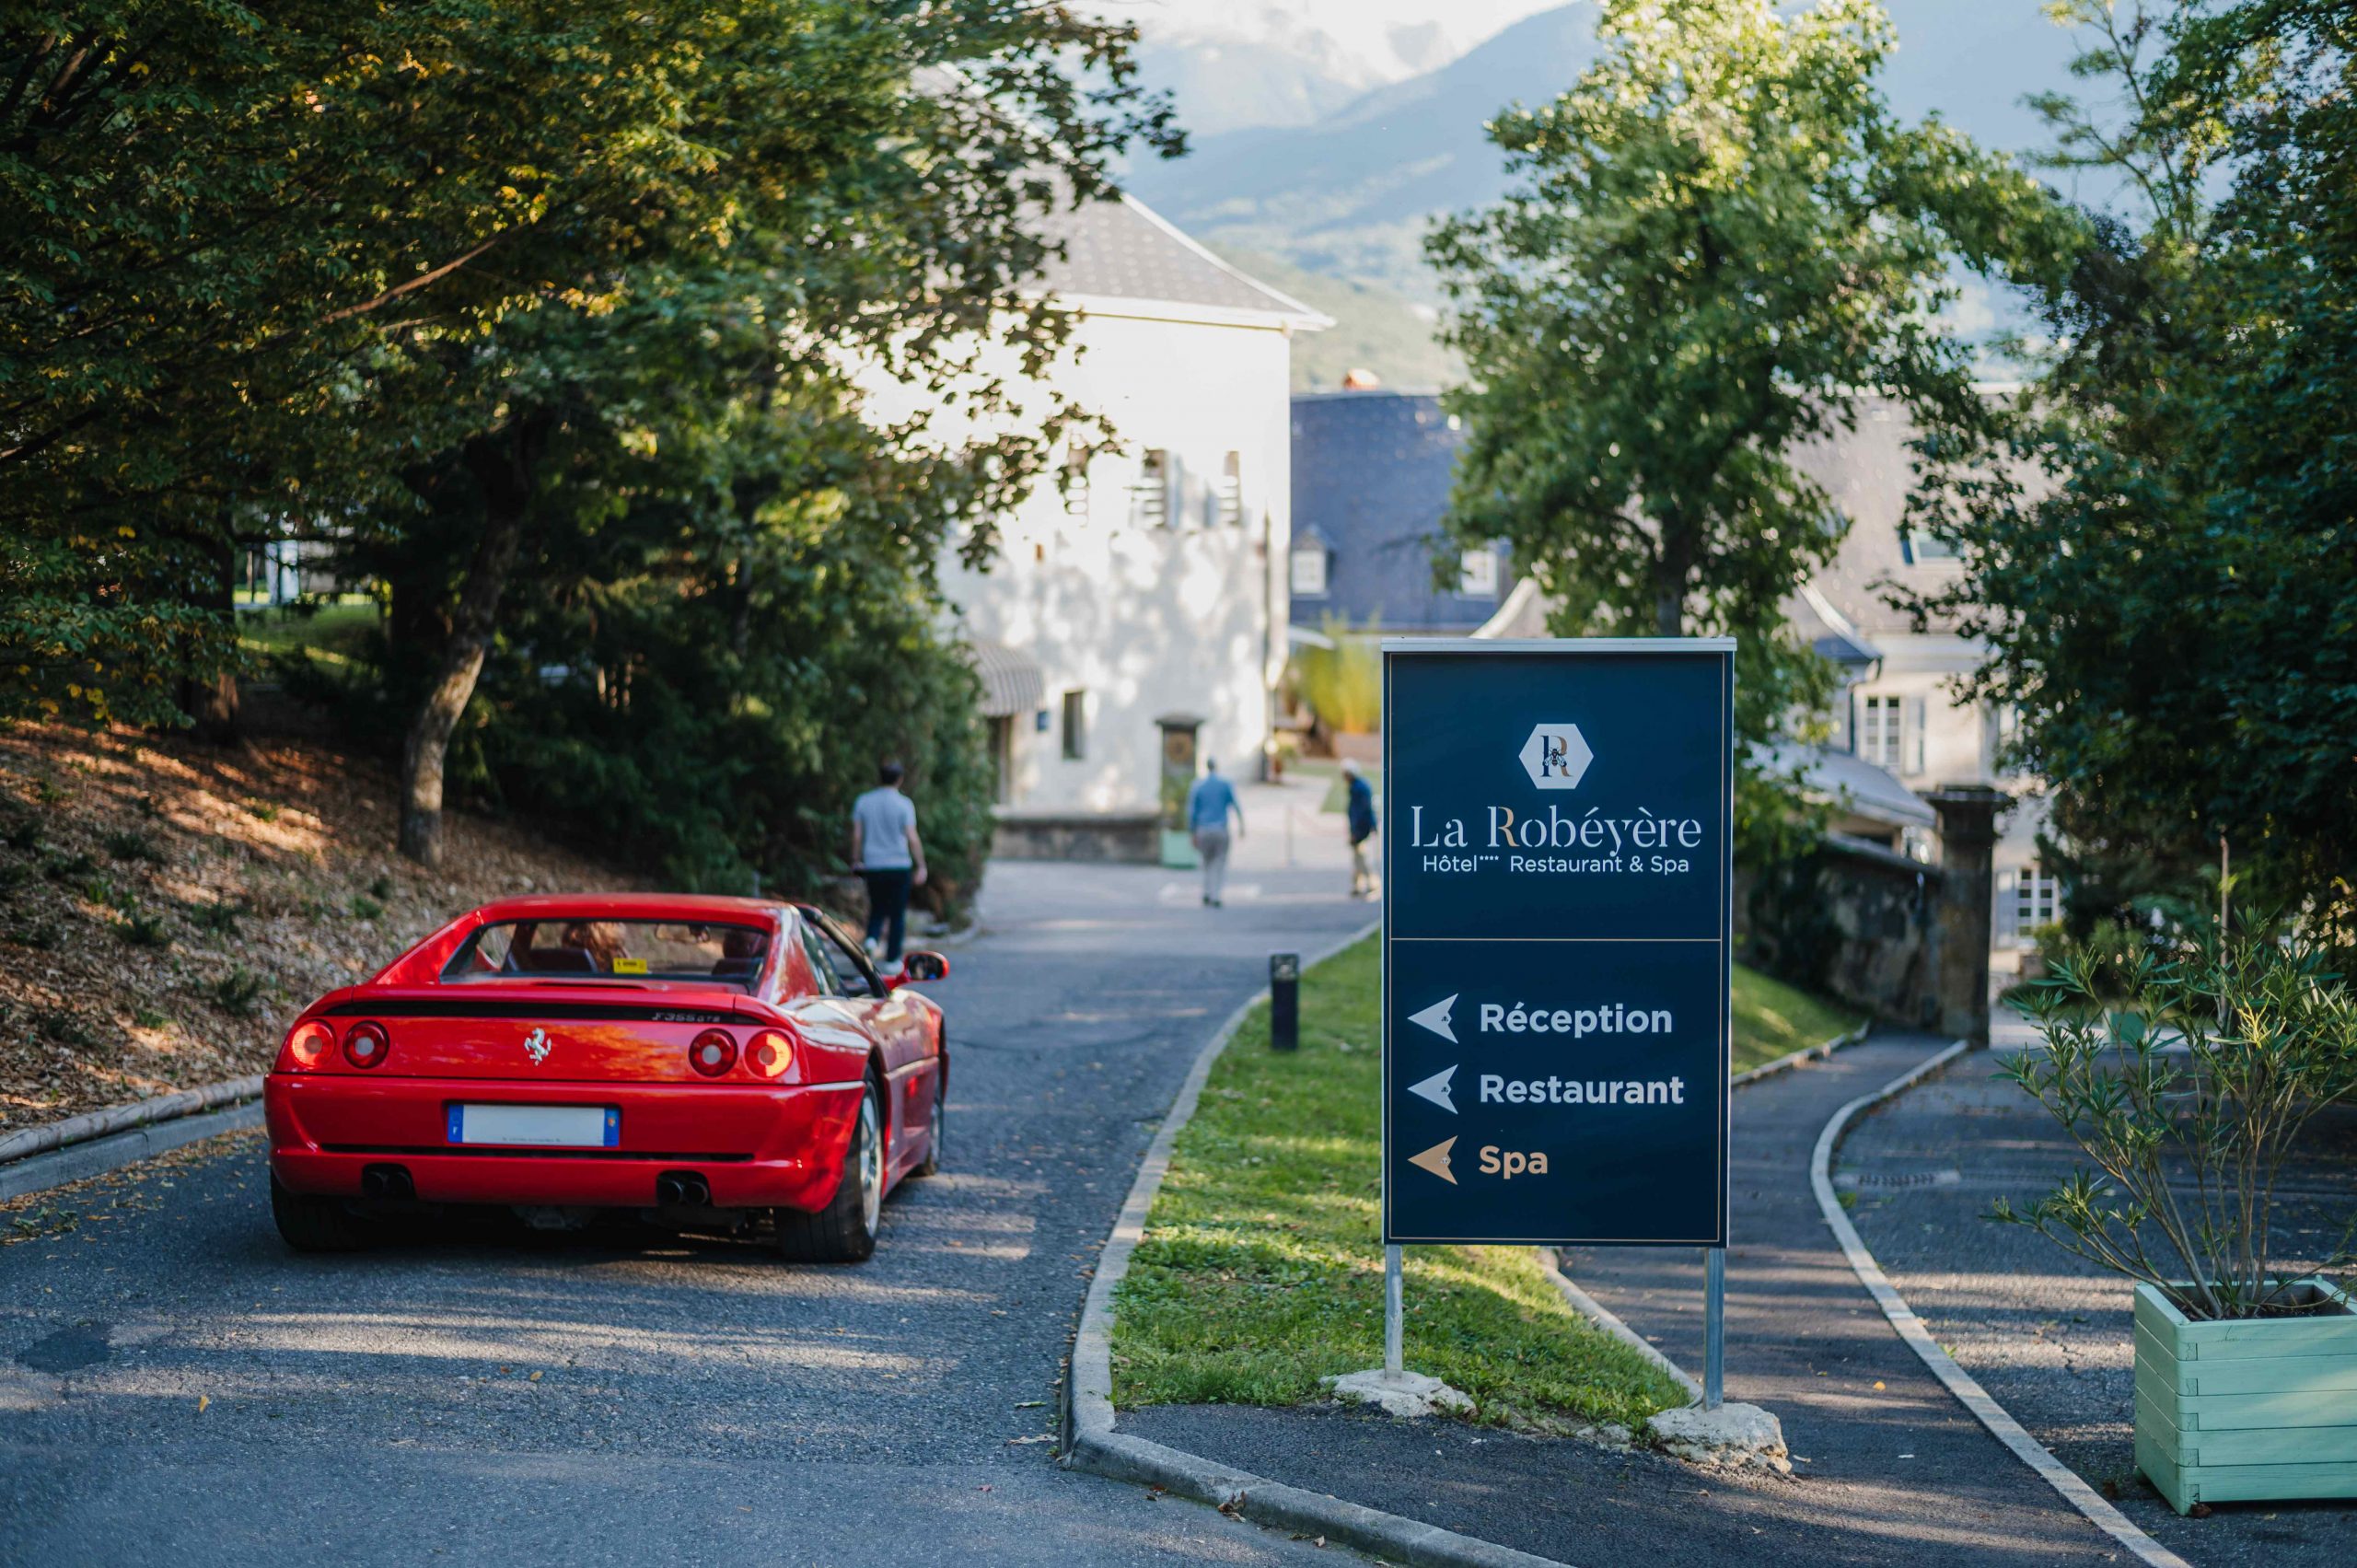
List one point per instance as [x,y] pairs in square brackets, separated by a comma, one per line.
[922,966]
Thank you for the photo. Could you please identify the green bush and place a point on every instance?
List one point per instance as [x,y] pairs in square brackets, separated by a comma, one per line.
[142,930]
[235,993]
[1343,684]
[2162,1066]
[129,843]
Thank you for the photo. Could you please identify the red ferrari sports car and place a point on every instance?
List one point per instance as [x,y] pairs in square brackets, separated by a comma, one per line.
[704,1062]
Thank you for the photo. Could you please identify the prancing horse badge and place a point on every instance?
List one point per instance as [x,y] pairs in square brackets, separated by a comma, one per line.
[537,1045]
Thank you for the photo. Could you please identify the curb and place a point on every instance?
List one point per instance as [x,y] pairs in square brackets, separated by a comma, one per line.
[1790,1060]
[96,1156]
[1603,1317]
[1960,1383]
[119,1118]
[1091,1444]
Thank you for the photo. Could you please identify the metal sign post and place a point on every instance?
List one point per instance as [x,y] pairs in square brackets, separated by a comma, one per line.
[1557,940]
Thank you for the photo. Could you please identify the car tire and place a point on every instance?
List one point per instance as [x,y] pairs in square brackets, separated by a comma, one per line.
[932,1166]
[844,1231]
[309,1222]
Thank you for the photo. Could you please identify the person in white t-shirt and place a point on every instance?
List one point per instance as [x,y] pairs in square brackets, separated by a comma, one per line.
[888,856]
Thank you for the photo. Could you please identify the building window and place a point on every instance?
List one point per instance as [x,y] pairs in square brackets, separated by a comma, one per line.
[1477,574]
[1878,731]
[1890,733]
[1231,492]
[1919,547]
[1075,725]
[1309,569]
[1150,496]
[2038,900]
[1076,480]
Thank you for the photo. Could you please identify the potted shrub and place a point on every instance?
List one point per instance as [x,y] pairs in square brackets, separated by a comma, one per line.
[2187,1077]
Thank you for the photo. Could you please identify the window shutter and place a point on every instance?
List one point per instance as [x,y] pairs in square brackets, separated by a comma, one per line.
[2008,920]
[1914,736]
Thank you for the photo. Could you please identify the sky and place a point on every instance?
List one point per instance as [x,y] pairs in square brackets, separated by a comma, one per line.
[1366,41]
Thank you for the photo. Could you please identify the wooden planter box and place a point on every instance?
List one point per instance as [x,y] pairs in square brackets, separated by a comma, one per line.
[2261,1409]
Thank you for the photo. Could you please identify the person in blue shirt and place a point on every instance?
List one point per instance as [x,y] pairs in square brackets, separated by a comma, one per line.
[1362,823]
[1208,805]
[889,857]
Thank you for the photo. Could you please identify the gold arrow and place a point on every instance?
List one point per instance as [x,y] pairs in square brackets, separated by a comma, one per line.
[1435,1159]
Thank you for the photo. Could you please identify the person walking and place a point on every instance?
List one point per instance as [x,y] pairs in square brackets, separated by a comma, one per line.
[1361,812]
[889,857]
[1208,805]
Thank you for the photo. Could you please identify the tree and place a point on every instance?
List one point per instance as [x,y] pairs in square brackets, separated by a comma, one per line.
[2172,607]
[1722,239]
[866,186]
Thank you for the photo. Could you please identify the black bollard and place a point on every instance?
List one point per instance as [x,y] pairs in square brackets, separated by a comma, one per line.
[1284,1002]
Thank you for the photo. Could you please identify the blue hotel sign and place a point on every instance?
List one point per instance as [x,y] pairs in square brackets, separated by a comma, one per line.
[1558,908]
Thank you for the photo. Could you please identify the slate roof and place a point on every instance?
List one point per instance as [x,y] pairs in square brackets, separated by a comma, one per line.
[1868,472]
[1370,477]
[1120,249]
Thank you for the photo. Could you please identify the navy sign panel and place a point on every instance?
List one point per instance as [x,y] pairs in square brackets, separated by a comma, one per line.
[1557,921]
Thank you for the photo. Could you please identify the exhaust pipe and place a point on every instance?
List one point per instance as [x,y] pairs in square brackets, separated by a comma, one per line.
[683,1189]
[384,1182]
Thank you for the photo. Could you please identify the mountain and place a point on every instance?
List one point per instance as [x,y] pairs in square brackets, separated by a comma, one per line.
[1375,328]
[1238,63]
[1349,195]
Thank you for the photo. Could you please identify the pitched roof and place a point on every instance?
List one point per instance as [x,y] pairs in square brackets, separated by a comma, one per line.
[1119,248]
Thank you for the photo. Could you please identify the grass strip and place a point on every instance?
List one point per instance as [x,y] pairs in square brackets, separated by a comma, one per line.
[1261,1270]
[1773,1019]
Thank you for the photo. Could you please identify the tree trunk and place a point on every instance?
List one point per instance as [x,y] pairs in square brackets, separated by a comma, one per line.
[212,700]
[1672,569]
[504,468]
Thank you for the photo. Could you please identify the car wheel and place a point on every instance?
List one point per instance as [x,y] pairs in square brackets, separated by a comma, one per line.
[844,1231]
[933,1140]
[309,1222]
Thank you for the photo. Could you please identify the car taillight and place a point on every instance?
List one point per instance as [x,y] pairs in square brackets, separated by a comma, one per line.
[770,1054]
[713,1053]
[309,1045]
[367,1045]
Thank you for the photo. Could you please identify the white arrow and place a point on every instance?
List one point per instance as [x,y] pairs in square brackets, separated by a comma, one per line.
[1435,1019]
[1435,1089]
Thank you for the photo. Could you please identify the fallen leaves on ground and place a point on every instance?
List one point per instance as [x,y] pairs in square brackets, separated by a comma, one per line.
[165,907]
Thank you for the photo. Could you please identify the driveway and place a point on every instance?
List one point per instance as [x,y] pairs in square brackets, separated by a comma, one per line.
[175,1384]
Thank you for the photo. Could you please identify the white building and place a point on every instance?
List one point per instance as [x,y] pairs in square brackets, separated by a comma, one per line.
[1904,711]
[1152,585]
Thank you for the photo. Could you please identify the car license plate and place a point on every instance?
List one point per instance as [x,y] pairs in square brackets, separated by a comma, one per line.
[561,1126]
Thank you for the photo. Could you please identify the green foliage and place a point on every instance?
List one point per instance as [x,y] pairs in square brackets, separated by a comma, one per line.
[265,265]
[22,832]
[218,918]
[235,992]
[40,935]
[140,929]
[2186,1079]
[365,907]
[1343,683]
[1261,1269]
[1721,236]
[129,843]
[74,867]
[2160,544]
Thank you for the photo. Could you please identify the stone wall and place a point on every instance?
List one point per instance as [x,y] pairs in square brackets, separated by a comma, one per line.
[1134,837]
[1865,922]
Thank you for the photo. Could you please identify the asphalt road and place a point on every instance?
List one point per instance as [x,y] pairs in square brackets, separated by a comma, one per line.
[2049,1335]
[174,1384]
[1888,1469]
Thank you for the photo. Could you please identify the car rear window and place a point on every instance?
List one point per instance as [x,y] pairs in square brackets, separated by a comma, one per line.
[610,949]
